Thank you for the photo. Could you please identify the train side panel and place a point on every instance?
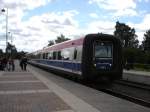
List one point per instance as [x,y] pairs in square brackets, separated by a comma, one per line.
[64,57]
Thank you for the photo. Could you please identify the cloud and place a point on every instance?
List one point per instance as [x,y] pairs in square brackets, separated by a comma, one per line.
[60,18]
[143,25]
[144,0]
[114,4]
[3,37]
[118,7]
[51,21]
[24,4]
[33,28]
[93,15]
[16,31]
[39,29]
[102,26]
[67,22]
[125,12]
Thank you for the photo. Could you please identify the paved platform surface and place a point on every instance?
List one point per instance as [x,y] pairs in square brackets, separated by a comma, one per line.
[35,90]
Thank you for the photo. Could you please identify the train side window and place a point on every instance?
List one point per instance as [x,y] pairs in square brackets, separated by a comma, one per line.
[59,55]
[54,55]
[36,56]
[43,56]
[40,56]
[79,54]
[50,55]
[75,54]
[65,54]
[46,55]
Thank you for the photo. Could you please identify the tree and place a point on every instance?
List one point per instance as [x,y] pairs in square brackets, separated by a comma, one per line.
[1,53]
[20,54]
[126,35]
[61,38]
[50,43]
[146,41]
[11,50]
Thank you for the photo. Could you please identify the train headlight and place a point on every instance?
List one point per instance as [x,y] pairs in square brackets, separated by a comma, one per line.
[94,65]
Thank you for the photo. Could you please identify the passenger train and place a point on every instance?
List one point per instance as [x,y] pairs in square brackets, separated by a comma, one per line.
[92,57]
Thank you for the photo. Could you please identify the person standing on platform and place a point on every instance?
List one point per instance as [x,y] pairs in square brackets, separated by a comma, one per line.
[11,65]
[23,63]
[1,64]
[4,63]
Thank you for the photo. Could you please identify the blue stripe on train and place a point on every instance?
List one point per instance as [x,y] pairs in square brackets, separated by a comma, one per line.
[63,64]
[103,64]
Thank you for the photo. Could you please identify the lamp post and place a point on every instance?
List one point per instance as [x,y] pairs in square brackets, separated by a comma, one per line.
[3,10]
[11,37]
[9,46]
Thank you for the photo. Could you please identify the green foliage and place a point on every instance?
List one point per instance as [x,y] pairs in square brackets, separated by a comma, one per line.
[146,41]
[20,54]
[140,66]
[11,51]
[147,57]
[61,38]
[136,59]
[129,55]
[1,53]
[135,55]
[50,43]
[126,35]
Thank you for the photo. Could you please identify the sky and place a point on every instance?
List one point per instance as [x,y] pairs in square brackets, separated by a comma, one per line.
[32,23]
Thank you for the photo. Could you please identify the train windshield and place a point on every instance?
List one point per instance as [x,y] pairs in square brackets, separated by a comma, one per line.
[103,50]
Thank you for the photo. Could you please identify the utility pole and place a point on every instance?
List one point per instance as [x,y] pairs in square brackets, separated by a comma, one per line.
[11,38]
[6,10]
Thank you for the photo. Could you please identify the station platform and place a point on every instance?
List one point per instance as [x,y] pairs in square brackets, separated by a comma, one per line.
[36,90]
[137,76]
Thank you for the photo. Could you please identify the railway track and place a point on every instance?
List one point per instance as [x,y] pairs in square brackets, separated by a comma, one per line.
[131,91]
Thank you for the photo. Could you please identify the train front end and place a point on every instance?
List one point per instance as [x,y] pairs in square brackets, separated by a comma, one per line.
[102,57]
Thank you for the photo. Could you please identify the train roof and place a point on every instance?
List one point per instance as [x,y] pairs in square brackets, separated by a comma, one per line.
[65,44]
[70,43]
